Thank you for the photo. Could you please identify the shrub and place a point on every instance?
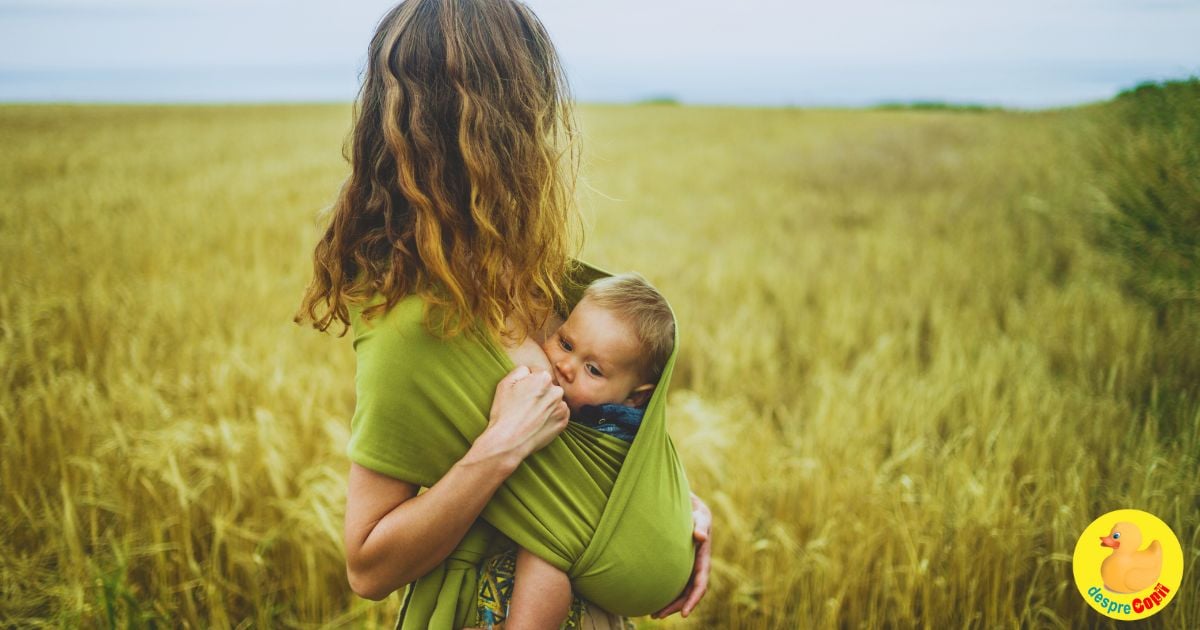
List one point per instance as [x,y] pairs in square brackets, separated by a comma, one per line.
[1149,161]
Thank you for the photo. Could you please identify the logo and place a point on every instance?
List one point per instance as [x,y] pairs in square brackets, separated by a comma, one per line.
[1128,564]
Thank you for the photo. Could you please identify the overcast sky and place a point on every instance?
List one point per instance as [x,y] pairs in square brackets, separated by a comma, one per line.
[1027,53]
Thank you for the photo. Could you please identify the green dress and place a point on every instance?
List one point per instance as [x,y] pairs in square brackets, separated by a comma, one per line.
[615,517]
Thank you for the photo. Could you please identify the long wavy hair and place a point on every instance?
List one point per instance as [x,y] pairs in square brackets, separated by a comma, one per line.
[463,163]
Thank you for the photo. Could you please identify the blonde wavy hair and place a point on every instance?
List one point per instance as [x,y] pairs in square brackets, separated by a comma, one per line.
[631,298]
[463,162]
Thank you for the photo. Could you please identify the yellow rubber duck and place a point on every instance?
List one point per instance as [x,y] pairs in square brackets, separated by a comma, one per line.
[1128,570]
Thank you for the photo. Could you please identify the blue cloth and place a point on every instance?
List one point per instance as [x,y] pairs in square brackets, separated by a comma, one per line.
[616,420]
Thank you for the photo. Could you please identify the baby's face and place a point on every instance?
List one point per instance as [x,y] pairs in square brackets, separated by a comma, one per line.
[595,357]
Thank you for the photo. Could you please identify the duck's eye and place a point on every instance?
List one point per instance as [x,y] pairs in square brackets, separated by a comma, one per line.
[1116,535]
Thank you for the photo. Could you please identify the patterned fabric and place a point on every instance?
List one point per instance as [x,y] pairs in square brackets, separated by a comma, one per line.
[496,578]
[618,421]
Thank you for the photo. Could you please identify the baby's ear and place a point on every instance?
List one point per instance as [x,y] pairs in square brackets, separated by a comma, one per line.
[640,395]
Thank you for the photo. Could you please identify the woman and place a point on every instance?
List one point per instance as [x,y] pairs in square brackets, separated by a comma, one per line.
[455,214]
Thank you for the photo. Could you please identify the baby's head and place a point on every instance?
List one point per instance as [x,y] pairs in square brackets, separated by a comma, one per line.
[614,345]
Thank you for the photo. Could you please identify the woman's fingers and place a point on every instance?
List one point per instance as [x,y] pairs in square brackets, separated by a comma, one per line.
[519,372]
[527,413]
[673,607]
[702,534]
[701,520]
[697,585]
[699,580]
[684,597]
[556,415]
[536,381]
[529,408]
[525,386]
[505,389]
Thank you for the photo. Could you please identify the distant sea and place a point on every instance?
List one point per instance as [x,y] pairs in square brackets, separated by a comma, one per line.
[1020,86]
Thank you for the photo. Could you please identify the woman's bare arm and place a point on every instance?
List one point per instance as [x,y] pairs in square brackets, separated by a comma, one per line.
[394,536]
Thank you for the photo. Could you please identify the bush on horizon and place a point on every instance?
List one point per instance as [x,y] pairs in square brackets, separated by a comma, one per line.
[1149,162]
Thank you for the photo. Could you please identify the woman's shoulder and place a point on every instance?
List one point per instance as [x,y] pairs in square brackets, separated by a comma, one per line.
[401,370]
[402,335]
[373,318]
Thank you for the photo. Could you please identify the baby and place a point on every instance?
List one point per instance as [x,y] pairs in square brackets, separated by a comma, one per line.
[607,357]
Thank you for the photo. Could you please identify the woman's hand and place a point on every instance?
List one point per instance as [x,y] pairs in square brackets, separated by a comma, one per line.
[698,584]
[527,413]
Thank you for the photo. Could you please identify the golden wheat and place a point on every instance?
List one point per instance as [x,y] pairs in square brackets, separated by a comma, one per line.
[907,380]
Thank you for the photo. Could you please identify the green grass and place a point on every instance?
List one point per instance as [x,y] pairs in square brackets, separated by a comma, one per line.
[908,380]
[937,106]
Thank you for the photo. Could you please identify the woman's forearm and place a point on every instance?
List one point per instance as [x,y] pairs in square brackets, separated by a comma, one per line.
[389,545]
[394,536]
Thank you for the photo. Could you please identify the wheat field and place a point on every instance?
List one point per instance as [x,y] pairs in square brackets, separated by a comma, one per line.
[908,378]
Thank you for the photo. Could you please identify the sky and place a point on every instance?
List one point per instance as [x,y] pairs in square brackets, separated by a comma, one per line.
[1015,53]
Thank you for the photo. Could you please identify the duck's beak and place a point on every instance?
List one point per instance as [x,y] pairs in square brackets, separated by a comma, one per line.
[1108,541]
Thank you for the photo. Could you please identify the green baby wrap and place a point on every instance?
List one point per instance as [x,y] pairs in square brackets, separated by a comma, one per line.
[615,516]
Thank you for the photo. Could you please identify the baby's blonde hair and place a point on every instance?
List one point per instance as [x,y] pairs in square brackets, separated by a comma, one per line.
[637,302]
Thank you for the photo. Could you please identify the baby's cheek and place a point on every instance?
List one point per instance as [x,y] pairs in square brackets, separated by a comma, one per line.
[577,397]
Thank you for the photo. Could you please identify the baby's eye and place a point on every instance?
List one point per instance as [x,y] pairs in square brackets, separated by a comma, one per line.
[593,370]
[566,345]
